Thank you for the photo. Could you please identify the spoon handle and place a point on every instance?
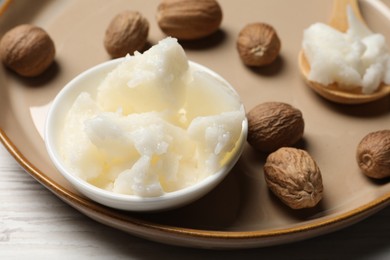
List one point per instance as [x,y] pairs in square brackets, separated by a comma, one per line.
[339,19]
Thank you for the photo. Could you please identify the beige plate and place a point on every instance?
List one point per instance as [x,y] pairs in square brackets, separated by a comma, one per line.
[240,212]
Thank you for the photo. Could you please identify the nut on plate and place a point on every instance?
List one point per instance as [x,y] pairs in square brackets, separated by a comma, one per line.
[126,33]
[258,44]
[294,177]
[189,19]
[272,125]
[27,49]
[373,154]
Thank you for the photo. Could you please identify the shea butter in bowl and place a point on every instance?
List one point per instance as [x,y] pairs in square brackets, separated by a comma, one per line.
[146,132]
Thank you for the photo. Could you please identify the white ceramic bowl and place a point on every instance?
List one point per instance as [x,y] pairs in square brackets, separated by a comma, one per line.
[88,81]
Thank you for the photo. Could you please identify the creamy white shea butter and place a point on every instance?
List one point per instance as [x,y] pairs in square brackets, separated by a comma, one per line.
[356,58]
[155,125]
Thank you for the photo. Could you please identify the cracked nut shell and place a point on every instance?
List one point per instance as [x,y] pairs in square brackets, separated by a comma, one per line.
[27,49]
[258,44]
[373,154]
[272,125]
[294,177]
[126,33]
[189,19]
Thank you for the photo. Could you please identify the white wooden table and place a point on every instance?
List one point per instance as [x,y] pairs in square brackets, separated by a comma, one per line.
[34,224]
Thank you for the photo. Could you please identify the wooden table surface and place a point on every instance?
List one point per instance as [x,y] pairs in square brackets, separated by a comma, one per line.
[34,224]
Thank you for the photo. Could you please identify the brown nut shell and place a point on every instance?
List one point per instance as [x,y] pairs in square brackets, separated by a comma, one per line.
[189,19]
[272,125]
[258,44]
[373,154]
[294,177]
[127,32]
[27,49]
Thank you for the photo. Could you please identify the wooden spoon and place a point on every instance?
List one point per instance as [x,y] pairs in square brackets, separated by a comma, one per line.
[332,92]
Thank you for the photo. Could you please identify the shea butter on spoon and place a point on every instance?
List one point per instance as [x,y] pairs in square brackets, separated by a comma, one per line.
[344,61]
[146,132]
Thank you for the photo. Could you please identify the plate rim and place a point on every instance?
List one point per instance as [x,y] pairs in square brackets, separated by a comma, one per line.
[334,223]
[4,5]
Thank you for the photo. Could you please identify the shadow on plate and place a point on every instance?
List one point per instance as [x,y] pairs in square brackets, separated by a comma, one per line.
[270,70]
[208,42]
[41,80]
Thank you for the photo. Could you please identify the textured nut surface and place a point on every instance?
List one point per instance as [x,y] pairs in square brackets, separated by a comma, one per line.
[272,125]
[126,33]
[258,44]
[27,49]
[294,177]
[189,19]
[373,154]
